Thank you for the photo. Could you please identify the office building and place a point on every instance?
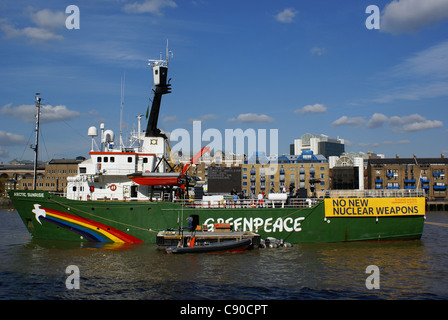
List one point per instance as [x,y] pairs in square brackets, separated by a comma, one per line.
[319,144]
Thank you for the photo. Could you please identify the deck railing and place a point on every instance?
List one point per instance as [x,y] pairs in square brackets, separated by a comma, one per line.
[227,202]
[370,193]
[250,203]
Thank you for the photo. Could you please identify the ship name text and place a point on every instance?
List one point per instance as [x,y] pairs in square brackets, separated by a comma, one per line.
[28,195]
[268,225]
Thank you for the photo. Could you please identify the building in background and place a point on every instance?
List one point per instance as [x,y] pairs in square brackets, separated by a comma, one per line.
[428,174]
[319,144]
[304,174]
[50,177]
[349,170]
[17,175]
[57,171]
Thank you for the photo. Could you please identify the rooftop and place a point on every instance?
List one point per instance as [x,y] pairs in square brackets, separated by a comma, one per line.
[415,161]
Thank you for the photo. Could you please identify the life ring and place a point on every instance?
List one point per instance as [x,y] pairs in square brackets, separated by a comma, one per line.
[113,187]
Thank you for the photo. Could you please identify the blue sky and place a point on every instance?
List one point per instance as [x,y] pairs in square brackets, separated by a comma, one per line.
[295,66]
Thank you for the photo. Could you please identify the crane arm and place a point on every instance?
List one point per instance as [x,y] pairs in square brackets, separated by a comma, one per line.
[195,159]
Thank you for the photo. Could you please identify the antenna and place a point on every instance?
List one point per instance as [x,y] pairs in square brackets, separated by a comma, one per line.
[168,55]
[139,117]
[121,109]
[36,146]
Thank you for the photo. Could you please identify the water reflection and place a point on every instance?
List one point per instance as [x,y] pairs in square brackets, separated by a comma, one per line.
[35,269]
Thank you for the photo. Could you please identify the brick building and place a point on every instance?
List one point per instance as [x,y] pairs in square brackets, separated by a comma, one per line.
[307,172]
[414,173]
[50,177]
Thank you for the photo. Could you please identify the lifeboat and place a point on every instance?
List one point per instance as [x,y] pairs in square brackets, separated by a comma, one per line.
[156,178]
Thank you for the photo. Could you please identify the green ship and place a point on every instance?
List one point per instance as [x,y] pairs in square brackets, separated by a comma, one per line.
[48,216]
[127,195]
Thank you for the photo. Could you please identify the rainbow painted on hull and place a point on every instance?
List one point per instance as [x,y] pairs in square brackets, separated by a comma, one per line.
[86,228]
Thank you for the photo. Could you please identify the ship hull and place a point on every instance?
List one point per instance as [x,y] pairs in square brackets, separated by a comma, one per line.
[48,216]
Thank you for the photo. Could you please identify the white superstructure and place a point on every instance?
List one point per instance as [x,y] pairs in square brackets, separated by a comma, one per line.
[106,174]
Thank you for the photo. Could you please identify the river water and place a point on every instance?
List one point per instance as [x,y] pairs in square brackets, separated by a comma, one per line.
[417,269]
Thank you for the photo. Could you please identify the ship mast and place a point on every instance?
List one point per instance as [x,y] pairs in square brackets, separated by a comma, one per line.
[162,86]
[36,145]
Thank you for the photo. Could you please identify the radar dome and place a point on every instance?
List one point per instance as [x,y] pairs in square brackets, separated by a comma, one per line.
[92,132]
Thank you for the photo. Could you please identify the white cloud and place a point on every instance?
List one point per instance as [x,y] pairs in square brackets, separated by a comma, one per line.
[424,74]
[347,121]
[4,152]
[315,108]
[423,125]
[430,62]
[410,123]
[415,92]
[252,117]
[150,6]
[413,122]
[170,118]
[48,113]
[30,33]
[318,51]
[40,34]
[10,139]
[287,15]
[204,118]
[377,120]
[383,143]
[48,19]
[408,16]
[47,23]
[111,51]
[209,116]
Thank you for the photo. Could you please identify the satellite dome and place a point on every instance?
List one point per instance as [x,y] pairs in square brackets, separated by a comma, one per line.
[92,132]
